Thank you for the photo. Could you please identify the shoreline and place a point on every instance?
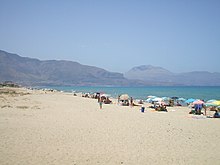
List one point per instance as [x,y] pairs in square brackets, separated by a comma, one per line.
[39,127]
[197,92]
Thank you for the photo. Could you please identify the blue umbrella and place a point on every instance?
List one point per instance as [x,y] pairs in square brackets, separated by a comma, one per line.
[166,98]
[174,98]
[191,100]
[157,99]
[181,99]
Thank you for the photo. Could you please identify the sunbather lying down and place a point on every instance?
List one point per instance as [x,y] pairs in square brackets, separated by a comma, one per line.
[161,108]
[216,114]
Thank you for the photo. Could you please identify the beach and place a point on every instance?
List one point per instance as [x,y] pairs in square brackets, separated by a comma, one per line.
[44,127]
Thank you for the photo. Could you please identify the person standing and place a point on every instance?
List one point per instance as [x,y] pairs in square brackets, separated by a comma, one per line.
[118,99]
[100,102]
[131,102]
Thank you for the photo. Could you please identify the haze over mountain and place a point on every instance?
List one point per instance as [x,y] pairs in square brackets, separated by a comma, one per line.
[148,73]
[29,71]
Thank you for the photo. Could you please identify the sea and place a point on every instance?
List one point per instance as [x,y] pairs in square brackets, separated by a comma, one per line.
[196,92]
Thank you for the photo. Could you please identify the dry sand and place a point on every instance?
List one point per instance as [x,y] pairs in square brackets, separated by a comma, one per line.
[59,128]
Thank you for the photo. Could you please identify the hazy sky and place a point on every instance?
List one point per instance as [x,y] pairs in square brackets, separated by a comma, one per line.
[179,35]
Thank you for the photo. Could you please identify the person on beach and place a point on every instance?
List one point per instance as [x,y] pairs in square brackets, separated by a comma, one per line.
[131,102]
[100,102]
[216,114]
[198,108]
[118,99]
[161,107]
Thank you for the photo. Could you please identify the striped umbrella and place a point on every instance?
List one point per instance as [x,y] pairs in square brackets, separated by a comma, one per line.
[216,102]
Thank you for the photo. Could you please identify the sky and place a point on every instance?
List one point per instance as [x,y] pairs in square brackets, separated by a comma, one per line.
[116,35]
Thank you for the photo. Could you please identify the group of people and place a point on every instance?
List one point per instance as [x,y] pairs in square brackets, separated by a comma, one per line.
[197,110]
[161,107]
[130,102]
[125,102]
[158,107]
[104,100]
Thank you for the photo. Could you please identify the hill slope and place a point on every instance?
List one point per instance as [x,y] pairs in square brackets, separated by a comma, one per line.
[149,73]
[29,71]
[161,76]
[35,72]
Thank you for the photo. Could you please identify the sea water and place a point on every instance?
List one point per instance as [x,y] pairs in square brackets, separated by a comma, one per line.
[196,92]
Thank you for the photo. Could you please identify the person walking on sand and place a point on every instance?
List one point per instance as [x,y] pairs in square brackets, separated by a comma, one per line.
[100,102]
[131,102]
[118,99]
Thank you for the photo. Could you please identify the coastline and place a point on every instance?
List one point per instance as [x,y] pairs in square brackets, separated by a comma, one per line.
[45,127]
[197,92]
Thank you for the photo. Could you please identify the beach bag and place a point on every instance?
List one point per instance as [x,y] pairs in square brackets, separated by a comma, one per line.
[142,109]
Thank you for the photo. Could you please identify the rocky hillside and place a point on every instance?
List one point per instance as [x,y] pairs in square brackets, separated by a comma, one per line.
[30,71]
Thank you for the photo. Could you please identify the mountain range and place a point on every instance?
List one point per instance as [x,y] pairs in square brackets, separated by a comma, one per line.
[29,71]
[159,75]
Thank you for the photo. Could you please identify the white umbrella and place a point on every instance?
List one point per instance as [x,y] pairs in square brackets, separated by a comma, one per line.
[124,97]
[105,95]
[157,99]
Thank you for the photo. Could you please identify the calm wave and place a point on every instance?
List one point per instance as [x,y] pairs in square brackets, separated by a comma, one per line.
[205,93]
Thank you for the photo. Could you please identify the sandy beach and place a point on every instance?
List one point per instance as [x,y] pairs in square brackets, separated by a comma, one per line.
[38,127]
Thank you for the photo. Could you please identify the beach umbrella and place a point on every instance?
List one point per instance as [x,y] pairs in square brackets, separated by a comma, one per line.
[151,96]
[149,100]
[105,95]
[210,101]
[210,105]
[174,98]
[166,98]
[157,99]
[198,102]
[161,103]
[124,97]
[181,99]
[217,103]
[190,100]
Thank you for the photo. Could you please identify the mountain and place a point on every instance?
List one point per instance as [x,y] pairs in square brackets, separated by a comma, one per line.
[29,71]
[160,76]
[198,78]
[149,73]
